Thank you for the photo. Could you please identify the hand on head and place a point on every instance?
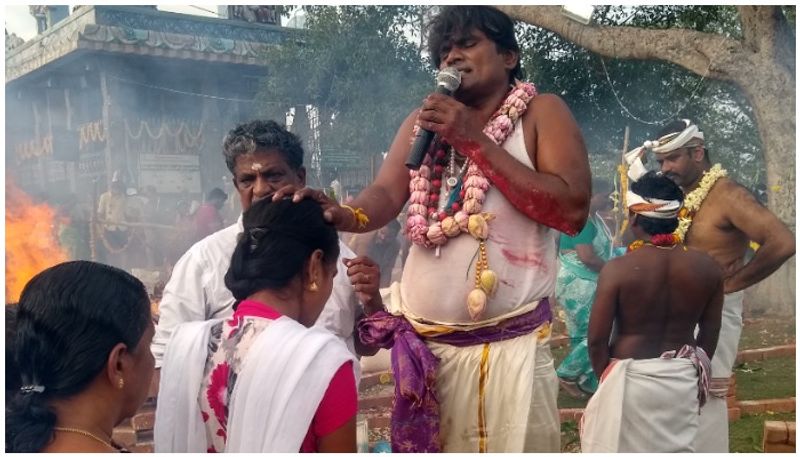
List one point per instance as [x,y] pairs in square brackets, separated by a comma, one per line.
[339,217]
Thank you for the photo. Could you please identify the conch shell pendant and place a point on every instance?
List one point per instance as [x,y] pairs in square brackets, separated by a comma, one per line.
[485,279]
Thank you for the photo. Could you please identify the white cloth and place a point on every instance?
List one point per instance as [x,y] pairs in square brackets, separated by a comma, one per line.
[522,252]
[655,208]
[275,397]
[713,434]
[647,405]
[520,411]
[196,291]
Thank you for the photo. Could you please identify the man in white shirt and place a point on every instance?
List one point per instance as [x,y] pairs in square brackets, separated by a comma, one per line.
[263,157]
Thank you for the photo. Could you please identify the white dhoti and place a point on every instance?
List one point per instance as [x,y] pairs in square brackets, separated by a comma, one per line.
[498,397]
[713,433]
[648,405]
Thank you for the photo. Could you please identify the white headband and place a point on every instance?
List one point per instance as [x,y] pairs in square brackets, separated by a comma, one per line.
[673,141]
[652,207]
[663,145]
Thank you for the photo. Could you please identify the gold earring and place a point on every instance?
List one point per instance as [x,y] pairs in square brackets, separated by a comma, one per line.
[121,383]
[313,287]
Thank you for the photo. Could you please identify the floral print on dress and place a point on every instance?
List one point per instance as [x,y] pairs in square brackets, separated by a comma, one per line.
[228,344]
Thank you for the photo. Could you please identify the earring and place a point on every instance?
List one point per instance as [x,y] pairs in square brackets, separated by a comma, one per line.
[121,383]
[313,287]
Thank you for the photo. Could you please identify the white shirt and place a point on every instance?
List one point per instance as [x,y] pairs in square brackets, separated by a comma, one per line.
[196,291]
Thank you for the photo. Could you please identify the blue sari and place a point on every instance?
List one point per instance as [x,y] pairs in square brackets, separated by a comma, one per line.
[575,291]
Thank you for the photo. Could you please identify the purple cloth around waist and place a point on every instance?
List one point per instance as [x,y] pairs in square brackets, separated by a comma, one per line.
[415,416]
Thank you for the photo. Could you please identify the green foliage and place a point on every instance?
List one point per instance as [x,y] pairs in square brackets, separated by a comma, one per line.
[357,67]
[651,92]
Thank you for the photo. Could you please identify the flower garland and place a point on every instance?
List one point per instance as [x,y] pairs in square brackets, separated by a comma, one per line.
[695,198]
[428,226]
[662,240]
[433,219]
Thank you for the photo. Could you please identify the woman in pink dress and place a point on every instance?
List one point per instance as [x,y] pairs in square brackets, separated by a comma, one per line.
[266,381]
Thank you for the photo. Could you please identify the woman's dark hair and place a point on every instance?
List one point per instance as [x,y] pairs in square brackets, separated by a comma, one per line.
[262,136]
[69,318]
[12,369]
[655,185]
[277,241]
[454,22]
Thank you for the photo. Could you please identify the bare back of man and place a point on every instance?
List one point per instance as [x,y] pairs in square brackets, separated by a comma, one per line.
[655,297]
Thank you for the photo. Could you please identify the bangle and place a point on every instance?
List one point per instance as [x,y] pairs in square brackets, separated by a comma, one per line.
[361,217]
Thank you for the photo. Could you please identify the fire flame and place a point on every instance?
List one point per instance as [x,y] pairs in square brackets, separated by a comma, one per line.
[31,241]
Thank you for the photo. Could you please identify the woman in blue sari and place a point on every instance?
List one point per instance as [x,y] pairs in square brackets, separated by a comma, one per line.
[581,258]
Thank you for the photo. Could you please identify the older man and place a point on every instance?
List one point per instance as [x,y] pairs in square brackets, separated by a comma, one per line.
[262,156]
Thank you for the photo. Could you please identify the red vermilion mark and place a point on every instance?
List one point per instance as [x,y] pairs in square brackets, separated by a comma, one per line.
[535,204]
[526,260]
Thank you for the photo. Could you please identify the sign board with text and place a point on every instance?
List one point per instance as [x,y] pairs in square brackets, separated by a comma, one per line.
[170,173]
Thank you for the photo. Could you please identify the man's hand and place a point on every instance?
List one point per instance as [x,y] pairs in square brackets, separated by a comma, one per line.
[452,120]
[365,276]
[339,217]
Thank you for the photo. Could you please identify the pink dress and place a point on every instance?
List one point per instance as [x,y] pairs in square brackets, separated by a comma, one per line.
[227,347]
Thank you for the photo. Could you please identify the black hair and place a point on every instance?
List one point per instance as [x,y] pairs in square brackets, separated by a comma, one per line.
[261,135]
[655,185]
[216,194]
[277,241]
[453,22]
[678,126]
[69,318]
[12,368]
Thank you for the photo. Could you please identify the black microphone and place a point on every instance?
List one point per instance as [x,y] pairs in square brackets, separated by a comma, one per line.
[447,81]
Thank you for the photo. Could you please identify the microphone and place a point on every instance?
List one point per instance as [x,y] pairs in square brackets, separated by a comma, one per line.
[447,81]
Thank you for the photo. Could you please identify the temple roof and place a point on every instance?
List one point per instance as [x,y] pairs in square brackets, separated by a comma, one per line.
[145,31]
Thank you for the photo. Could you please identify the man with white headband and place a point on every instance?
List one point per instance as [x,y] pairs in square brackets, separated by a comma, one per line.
[653,371]
[720,218]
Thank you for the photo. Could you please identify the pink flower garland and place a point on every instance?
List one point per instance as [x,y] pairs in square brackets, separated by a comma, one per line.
[430,228]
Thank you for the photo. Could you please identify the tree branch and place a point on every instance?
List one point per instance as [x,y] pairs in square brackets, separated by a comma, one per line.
[701,53]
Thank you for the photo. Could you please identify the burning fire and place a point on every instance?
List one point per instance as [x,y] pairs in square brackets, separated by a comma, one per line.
[31,241]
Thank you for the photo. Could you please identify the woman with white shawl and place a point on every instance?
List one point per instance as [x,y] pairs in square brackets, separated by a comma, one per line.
[264,380]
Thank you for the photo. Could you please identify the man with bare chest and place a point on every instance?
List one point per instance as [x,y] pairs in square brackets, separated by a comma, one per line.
[654,373]
[720,218]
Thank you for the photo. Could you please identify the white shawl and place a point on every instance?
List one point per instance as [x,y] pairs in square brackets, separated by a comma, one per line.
[283,379]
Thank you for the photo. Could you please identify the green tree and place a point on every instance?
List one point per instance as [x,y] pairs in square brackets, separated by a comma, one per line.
[751,48]
[358,68]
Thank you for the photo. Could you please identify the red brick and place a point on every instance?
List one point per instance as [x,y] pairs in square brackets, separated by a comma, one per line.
[379,422]
[125,436]
[782,351]
[375,402]
[144,419]
[731,401]
[142,448]
[780,405]
[570,414]
[751,406]
[374,379]
[791,427]
[734,414]
[775,447]
[775,432]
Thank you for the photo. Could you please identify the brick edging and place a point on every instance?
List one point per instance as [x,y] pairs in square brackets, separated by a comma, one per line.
[754,355]
[775,405]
